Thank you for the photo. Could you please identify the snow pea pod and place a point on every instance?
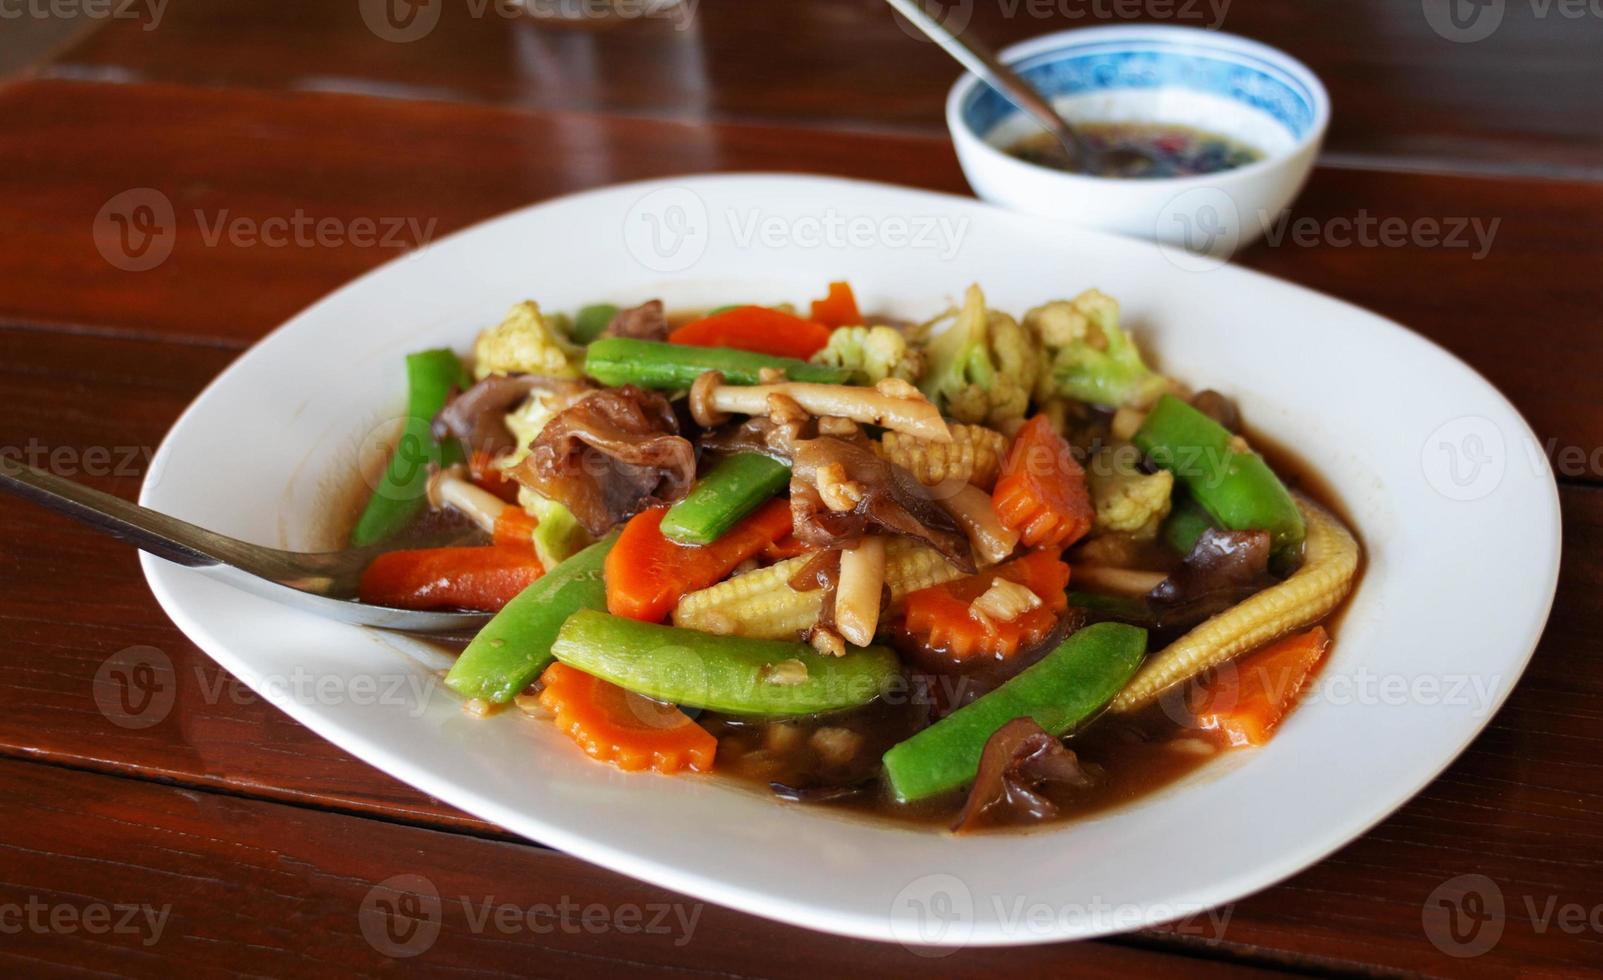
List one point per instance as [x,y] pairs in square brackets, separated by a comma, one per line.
[730,490]
[592,320]
[675,367]
[1235,486]
[515,646]
[1065,690]
[431,375]
[734,674]
[1185,525]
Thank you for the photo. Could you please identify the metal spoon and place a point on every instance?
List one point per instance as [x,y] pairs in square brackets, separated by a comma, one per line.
[303,581]
[977,59]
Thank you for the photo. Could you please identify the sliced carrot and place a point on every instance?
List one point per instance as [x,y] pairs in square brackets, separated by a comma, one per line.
[1244,701]
[646,573]
[938,619]
[488,476]
[514,527]
[1042,492]
[484,578]
[838,308]
[626,729]
[755,328]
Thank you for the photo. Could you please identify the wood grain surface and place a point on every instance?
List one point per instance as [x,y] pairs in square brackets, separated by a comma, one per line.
[269,848]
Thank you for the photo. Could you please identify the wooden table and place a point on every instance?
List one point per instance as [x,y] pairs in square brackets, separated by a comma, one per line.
[261,841]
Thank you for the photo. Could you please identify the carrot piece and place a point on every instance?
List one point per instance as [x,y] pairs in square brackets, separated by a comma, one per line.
[488,476]
[629,730]
[755,328]
[1245,704]
[838,308]
[646,573]
[514,527]
[484,579]
[938,619]
[1042,492]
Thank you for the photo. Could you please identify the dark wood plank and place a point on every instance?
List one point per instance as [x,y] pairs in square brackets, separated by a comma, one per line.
[1516,101]
[1520,806]
[94,408]
[241,887]
[1527,252]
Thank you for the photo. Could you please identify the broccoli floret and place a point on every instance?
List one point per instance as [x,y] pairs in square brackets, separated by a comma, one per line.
[982,368]
[1089,357]
[1125,498]
[526,343]
[872,354]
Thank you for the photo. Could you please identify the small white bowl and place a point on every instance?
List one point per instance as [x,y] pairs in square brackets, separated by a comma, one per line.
[1160,74]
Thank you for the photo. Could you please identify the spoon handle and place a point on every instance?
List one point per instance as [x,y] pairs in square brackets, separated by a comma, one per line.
[307,582]
[163,536]
[977,59]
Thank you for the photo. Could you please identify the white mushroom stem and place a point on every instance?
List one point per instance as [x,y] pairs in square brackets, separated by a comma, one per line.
[897,406]
[862,577]
[971,508]
[1122,581]
[447,488]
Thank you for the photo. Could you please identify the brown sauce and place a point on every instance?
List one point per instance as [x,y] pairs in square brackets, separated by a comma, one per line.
[833,761]
[1136,755]
[1160,150]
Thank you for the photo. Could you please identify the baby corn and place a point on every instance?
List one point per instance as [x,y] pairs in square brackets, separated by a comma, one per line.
[973,456]
[762,604]
[1330,560]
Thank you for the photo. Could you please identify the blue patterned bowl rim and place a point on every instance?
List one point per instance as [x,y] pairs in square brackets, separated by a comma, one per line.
[1120,58]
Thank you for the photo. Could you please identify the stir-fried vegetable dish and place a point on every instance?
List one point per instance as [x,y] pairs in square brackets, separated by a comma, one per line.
[991,569]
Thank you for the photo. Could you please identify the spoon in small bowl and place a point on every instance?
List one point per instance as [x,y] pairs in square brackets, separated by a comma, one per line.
[312,581]
[1082,157]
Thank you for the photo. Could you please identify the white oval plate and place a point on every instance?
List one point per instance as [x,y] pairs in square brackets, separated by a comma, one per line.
[1451,495]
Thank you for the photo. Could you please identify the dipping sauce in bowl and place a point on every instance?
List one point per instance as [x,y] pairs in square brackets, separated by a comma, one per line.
[1235,126]
[1170,150]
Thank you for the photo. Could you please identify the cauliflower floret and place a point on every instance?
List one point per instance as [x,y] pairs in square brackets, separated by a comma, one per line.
[557,533]
[872,354]
[526,421]
[1125,498]
[982,368]
[1088,356]
[526,343]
